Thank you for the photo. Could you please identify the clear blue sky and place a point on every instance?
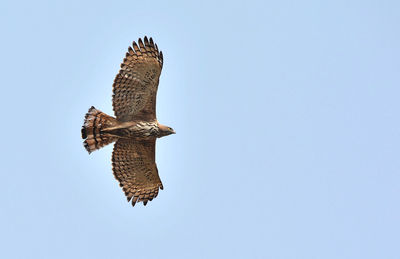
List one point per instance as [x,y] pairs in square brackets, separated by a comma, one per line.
[287,120]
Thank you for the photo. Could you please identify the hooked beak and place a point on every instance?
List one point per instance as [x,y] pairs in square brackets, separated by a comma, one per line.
[173,132]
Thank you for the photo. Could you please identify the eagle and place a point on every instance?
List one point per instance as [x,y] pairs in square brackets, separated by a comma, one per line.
[135,127]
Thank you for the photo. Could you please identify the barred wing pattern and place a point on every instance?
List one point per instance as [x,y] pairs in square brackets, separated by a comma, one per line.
[134,167]
[135,86]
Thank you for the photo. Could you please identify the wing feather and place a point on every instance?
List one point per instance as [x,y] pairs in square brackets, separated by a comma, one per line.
[134,167]
[135,86]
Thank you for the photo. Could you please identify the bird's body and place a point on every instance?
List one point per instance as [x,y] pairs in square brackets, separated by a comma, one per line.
[135,127]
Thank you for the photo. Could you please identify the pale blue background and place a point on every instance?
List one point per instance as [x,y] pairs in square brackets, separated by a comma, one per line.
[287,114]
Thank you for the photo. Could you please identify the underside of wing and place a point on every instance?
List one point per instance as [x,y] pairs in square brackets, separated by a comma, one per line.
[135,86]
[135,168]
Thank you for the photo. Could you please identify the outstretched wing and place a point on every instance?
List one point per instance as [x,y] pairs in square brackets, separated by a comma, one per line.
[134,167]
[135,86]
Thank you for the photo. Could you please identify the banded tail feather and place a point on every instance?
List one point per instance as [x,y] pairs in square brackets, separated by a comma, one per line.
[92,130]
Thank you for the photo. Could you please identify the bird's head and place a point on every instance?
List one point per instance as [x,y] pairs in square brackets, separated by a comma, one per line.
[165,130]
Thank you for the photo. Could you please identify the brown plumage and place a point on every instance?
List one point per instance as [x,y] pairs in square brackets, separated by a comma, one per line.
[135,128]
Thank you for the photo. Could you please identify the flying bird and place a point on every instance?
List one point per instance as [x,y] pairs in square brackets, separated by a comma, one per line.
[135,128]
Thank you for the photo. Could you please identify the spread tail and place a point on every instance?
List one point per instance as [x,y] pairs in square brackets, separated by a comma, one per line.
[92,130]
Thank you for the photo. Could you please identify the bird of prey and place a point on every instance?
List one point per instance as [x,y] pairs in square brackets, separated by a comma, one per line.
[135,127]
